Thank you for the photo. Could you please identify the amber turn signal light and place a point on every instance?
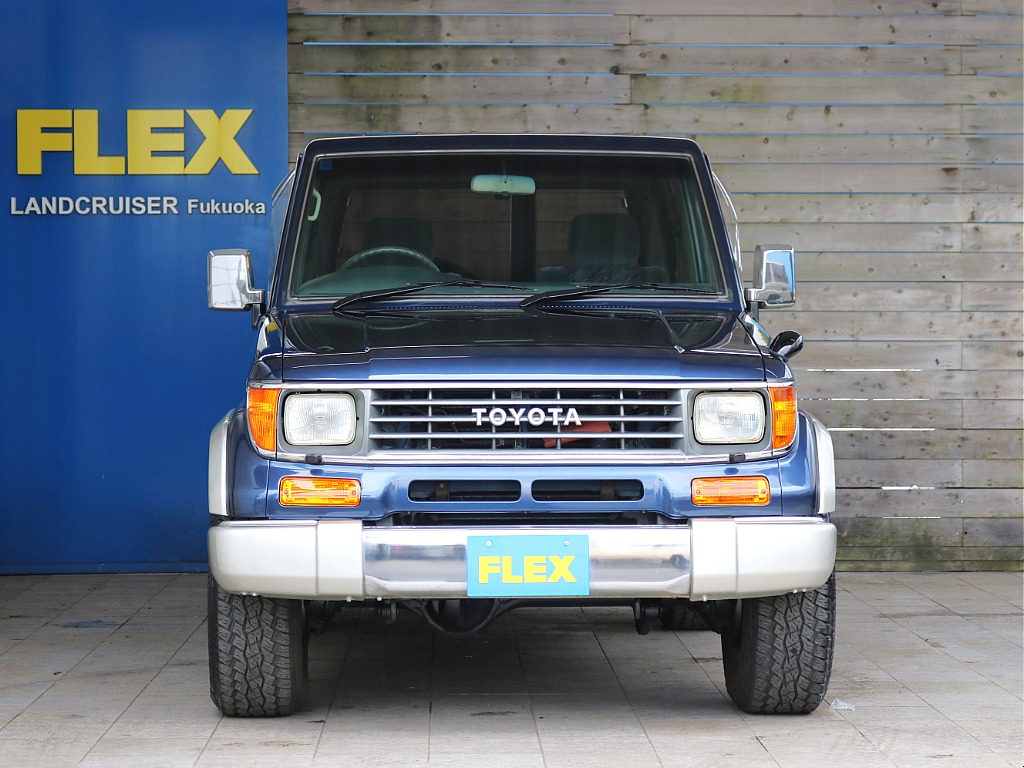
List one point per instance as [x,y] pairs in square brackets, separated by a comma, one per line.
[783,416]
[730,491]
[319,492]
[262,412]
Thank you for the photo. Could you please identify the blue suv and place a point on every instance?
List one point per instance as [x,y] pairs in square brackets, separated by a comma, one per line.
[496,371]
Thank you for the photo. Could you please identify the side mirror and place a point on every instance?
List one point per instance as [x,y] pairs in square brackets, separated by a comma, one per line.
[774,277]
[787,343]
[229,281]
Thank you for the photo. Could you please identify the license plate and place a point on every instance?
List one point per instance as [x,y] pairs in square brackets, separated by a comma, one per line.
[527,566]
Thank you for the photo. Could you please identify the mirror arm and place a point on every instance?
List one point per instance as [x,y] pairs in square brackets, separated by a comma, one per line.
[259,309]
[754,308]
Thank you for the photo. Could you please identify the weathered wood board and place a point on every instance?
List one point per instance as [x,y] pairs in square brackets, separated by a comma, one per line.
[883,138]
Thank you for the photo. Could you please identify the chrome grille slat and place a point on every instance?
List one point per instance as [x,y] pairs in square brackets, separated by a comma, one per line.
[538,402]
[521,435]
[467,419]
[525,416]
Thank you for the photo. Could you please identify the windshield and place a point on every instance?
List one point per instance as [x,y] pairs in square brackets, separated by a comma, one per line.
[501,223]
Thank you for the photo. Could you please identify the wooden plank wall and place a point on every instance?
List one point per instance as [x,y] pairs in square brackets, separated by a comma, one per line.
[883,138]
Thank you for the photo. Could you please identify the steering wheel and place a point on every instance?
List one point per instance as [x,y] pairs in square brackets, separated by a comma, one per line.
[372,253]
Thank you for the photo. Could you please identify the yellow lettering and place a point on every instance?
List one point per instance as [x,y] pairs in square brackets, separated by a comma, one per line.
[561,571]
[488,564]
[33,141]
[143,142]
[152,149]
[88,161]
[535,568]
[219,142]
[507,575]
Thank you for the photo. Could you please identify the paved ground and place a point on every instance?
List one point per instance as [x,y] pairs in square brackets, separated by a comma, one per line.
[111,671]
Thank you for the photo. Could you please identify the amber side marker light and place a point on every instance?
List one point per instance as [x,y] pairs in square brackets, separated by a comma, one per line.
[319,492]
[261,409]
[783,416]
[730,491]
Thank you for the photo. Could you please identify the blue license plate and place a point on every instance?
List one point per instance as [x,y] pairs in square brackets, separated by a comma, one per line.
[527,566]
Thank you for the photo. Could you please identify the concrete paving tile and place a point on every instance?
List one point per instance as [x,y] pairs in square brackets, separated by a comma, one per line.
[167,722]
[687,738]
[698,759]
[875,693]
[293,746]
[582,757]
[472,742]
[184,747]
[489,759]
[849,747]
[370,744]
[497,746]
[53,753]
[822,723]
[253,761]
[298,726]
[926,737]
[920,656]
[1008,627]
[1008,587]
[381,758]
[15,698]
[974,703]
[137,761]
[1004,736]
[970,758]
[45,726]
[691,714]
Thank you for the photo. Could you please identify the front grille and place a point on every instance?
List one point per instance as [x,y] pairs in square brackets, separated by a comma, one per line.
[526,418]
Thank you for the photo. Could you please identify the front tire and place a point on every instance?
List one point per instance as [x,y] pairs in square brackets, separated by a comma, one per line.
[257,653]
[779,659]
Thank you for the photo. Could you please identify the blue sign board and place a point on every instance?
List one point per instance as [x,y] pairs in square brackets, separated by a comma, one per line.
[527,565]
[134,138]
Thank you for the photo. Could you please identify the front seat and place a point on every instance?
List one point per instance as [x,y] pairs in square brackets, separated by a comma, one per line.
[603,248]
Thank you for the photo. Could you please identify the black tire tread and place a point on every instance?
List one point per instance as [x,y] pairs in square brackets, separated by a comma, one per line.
[257,654]
[780,659]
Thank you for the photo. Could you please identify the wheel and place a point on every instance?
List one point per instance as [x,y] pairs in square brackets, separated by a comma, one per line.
[393,250]
[680,615]
[778,660]
[257,653]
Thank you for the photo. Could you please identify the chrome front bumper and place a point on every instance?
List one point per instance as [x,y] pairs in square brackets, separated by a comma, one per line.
[710,558]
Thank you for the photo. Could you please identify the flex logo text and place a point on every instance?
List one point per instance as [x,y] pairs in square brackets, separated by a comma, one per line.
[536,569]
[154,147]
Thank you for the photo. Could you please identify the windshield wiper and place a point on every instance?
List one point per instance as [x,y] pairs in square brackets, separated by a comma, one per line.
[590,290]
[346,305]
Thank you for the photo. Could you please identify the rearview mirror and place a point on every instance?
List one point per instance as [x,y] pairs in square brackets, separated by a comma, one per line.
[503,184]
[774,277]
[229,281]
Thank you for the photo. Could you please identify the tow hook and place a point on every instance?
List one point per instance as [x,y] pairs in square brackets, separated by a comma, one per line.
[642,614]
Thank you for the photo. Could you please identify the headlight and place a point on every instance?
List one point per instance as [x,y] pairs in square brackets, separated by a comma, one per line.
[728,417]
[320,419]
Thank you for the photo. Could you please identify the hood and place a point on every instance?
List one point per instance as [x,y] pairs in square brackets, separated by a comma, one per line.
[512,343]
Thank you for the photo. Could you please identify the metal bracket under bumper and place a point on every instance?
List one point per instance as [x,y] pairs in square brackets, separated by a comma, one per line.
[711,558]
